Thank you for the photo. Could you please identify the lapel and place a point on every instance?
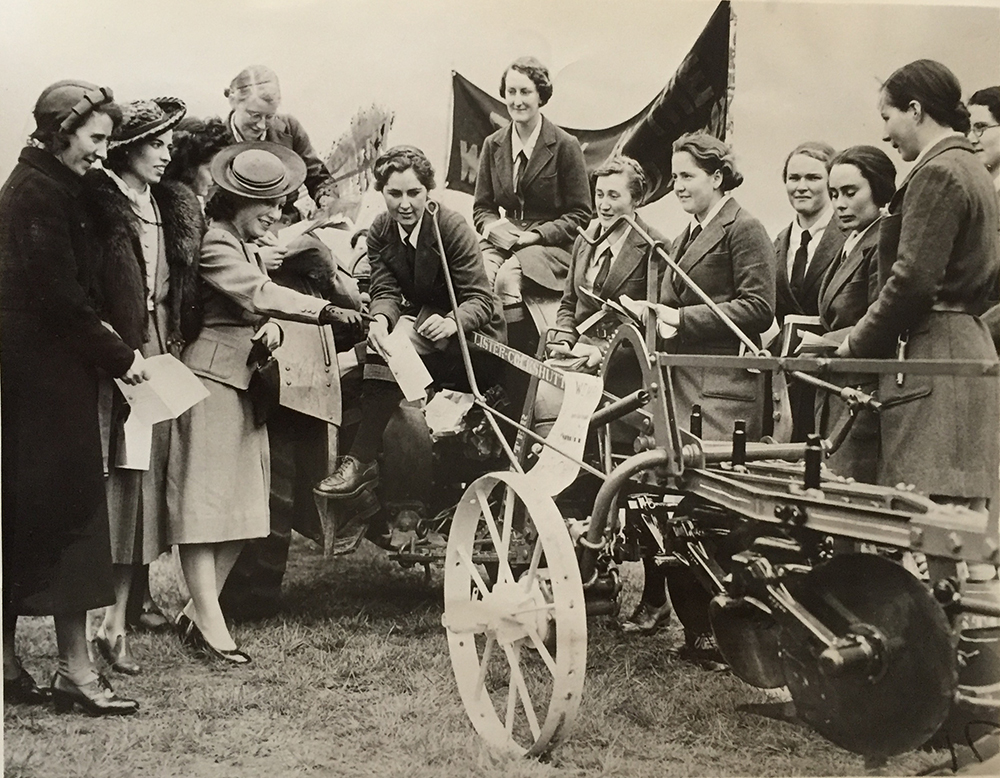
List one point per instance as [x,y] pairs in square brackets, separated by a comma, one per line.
[161,276]
[427,261]
[586,256]
[542,153]
[952,142]
[844,271]
[503,161]
[708,238]
[633,253]
[828,249]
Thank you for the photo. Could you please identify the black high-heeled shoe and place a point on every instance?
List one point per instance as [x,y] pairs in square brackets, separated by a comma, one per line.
[23,689]
[184,625]
[116,655]
[200,643]
[97,698]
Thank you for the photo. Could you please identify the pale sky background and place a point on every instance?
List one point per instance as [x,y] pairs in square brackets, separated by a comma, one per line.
[803,70]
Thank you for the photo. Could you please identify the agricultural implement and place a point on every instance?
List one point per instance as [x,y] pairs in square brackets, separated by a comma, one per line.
[795,572]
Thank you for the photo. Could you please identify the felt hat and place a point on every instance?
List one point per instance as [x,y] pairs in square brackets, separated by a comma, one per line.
[65,105]
[142,119]
[260,170]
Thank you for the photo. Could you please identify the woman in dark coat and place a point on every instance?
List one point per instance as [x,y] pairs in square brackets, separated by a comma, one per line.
[408,290]
[56,550]
[940,260]
[535,172]
[862,181]
[149,236]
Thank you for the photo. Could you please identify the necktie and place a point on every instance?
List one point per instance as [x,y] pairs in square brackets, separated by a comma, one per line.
[694,234]
[522,163]
[602,270]
[800,261]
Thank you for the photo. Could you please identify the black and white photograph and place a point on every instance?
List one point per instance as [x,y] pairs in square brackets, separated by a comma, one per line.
[500,388]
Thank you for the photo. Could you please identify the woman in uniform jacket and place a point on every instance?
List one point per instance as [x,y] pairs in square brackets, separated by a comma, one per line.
[408,290]
[149,235]
[862,181]
[939,258]
[535,172]
[218,470]
[56,552]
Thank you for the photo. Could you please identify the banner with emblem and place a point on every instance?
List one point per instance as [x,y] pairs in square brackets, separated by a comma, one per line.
[696,98]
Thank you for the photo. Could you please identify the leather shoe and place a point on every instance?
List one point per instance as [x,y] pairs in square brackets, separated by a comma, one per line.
[150,619]
[647,619]
[702,651]
[24,690]
[350,477]
[97,698]
[184,627]
[117,655]
[200,644]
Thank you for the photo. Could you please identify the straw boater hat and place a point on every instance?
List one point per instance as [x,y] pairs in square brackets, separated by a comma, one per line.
[259,170]
[143,119]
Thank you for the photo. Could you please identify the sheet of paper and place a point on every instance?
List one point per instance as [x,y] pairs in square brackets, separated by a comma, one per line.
[170,390]
[135,444]
[810,341]
[338,221]
[553,471]
[406,365]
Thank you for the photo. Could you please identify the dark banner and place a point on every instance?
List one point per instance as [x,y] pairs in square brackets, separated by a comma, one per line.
[696,98]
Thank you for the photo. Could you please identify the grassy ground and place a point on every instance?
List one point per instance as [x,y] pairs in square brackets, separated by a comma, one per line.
[354,679]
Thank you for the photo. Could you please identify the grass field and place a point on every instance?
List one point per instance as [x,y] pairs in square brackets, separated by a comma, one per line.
[354,679]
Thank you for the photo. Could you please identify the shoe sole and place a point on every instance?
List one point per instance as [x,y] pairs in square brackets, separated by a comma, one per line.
[347,495]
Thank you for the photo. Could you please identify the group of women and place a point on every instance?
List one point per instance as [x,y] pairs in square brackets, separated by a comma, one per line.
[89,291]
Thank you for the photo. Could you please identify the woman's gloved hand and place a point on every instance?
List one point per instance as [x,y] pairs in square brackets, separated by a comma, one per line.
[347,324]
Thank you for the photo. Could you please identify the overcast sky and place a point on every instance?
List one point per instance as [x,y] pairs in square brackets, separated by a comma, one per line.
[803,70]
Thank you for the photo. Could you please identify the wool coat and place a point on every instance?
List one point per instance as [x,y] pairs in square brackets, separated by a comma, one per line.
[848,288]
[137,499]
[56,554]
[732,260]
[939,263]
[556,194]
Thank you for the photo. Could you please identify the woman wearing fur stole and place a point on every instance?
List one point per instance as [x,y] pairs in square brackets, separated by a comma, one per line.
[146,287]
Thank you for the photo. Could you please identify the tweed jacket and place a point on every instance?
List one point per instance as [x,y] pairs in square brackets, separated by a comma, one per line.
[828,249]
[850,284]
[289,132]
[119,280]
[628,275]
[400,285]
[238,298]
[732,260]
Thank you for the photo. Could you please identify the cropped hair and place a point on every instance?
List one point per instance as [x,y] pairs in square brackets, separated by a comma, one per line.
[935,87]
[711,155]
[56,140]
[990,97]
[223,205]
[195,143]
[533,69]
[399,159]
[814,149]
[254,81]
[876,167]
[635,176]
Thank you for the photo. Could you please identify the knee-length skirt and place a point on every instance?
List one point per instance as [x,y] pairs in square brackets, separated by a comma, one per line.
[219,471]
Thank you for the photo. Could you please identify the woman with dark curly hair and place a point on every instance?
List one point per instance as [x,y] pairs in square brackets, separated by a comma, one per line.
[195,144]
[534,172]
[939,255]
[862,181]
[408,291]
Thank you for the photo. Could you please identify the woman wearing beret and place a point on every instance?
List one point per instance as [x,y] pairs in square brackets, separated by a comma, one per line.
[218,471]
[534,172]
[728,254]
[408,291]
[862,181]
[149,236]
[939,260]
[56,552]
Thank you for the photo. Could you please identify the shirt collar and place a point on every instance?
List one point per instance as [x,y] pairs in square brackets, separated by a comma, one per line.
[615,247]
[711,214]
[141,200]
[414,235]
[239,135]
[528,146]
[815,231]
[855,237]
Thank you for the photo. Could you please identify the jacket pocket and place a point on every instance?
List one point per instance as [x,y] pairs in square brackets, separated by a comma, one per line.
[727,385]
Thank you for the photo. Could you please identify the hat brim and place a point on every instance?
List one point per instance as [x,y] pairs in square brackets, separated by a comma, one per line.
[295,170]
[174,110]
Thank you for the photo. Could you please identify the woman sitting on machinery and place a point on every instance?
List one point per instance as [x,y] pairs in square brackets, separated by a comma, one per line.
[409,291]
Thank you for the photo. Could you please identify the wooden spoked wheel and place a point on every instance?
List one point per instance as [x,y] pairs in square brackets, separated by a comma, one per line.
[518,645]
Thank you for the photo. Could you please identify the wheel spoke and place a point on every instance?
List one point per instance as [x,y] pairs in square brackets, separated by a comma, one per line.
[543,652]
[511,702]
[470,568]
[491,525]
[536,558]
[508,523]
[491,641]
[513,657]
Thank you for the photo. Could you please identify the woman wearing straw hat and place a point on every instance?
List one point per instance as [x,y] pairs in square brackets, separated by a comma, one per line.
[56,554]
[149,236]
[218,472]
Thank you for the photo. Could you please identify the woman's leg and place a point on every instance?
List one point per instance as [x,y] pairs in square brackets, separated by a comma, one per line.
[114,615]
[198,565]
[225,557]
[71,639]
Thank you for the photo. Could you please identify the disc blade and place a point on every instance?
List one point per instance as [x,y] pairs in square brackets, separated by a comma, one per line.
[747,635]
[689,599]
[907,699]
